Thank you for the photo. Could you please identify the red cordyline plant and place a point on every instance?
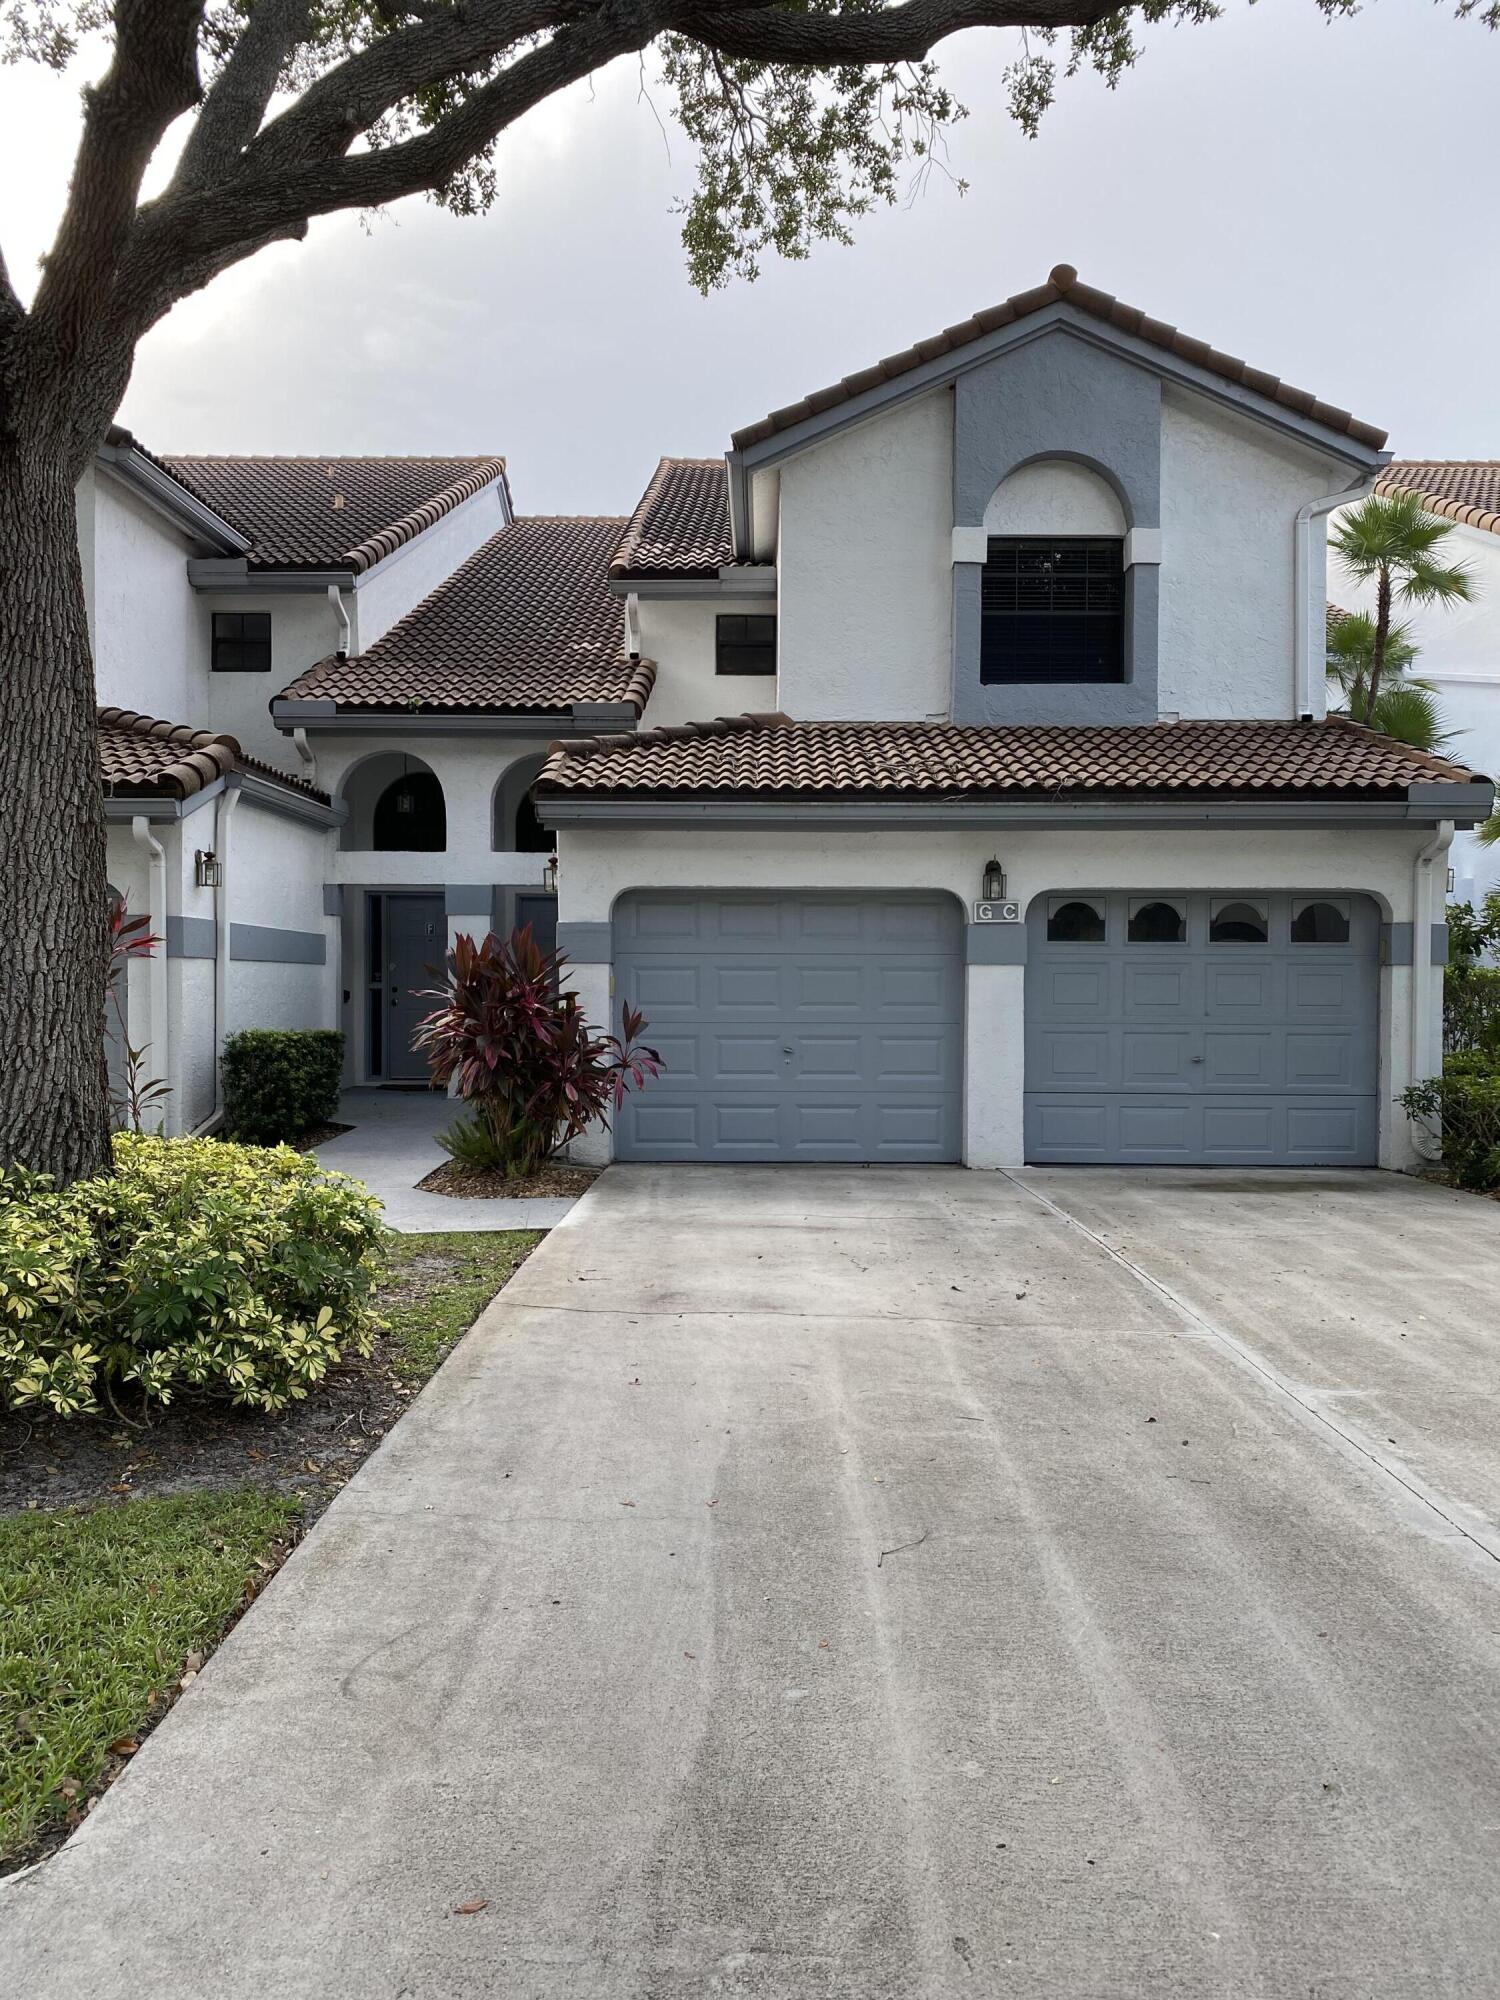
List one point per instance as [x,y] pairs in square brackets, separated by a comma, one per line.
[516,1048]
[129,938]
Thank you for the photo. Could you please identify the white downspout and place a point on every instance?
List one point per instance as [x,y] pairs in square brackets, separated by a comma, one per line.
[1422,983]
[228,800]
[1308,642]
[336,599]
[161,1029]
[308,755]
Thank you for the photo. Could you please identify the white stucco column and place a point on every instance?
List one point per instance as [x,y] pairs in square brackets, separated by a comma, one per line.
[594,985]
[994,1065]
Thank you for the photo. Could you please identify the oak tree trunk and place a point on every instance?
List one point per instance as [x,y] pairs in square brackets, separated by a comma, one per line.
[54,1114]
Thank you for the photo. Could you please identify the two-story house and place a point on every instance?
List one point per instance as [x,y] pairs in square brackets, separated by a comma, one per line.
[1023,834]
[945,771]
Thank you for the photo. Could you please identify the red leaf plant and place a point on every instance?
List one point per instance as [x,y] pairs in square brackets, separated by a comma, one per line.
[515,1047]
[129,938]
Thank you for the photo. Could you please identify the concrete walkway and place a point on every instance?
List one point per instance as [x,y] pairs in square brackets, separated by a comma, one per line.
[394,1145]
[822,1585]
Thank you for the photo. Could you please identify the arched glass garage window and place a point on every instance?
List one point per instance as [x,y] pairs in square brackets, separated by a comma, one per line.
[1074,922]
[1156,922]
[410,816]
[1237,923]
[1320,922]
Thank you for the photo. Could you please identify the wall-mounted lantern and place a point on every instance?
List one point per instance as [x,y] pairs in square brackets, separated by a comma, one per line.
[208,869]
[994,882]
[549,874]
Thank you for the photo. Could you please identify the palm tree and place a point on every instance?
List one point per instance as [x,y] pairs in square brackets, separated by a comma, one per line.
[1391,541]
[1404,708]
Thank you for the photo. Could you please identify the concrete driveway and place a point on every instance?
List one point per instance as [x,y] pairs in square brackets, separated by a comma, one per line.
[881,1585]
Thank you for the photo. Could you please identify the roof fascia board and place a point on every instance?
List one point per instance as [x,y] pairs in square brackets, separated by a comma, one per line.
[583,719]
[761,581]
[268,796]
[1464,804]
[943,369]
[211,573]
[133,469]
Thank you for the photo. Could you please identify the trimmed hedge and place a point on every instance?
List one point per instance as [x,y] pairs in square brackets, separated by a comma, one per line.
[1471,1009]
[231,1271]
[280,1082]
[1462,1107]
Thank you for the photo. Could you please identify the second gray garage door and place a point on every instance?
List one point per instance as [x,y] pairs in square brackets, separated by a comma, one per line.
[1203,1029]
[794,1027]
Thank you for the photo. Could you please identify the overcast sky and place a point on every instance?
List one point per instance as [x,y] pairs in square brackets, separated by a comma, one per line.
[1317,197]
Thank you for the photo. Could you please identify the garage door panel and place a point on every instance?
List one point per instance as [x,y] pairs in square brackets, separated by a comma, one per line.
[1209,1050]
[838,1036]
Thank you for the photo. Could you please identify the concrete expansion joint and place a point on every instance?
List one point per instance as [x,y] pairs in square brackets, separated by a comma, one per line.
[1427,1509]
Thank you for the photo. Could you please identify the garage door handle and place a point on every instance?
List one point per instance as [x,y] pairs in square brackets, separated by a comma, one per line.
[1197,1059]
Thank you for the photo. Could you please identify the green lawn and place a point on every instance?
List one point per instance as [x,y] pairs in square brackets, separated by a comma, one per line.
[100,1607]
[98,1613]
[428,1311]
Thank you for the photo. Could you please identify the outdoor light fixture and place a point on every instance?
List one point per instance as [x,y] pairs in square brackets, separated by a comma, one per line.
[549,874]
[994,882]
[208,870]
[405,800]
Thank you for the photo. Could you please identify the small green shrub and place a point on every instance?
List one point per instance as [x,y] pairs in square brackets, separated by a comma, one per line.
[280,1082]
[227,1271]
[1471,1009]
[1462,1108]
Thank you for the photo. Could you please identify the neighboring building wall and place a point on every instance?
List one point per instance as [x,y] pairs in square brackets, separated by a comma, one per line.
[149,632]
[277,867]
[1460,653]
[1230,495]
[597,867]
[865,569]
[679,635]
[397,585]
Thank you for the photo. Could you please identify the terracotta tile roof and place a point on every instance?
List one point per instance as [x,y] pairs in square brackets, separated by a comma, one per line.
[331,513]
[140,757]
[768,756]
[1463,489]
[1063,285]
[681,525]
[525,624]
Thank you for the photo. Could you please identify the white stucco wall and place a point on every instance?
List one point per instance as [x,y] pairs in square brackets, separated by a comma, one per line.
[1230,494]
[865,566]
[396,586]
[679,634]
[303,631]
[598,867]
[148,630]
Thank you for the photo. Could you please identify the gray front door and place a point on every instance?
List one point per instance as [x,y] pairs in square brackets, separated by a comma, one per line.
[409,938]
[794,1027]
[1202,1029]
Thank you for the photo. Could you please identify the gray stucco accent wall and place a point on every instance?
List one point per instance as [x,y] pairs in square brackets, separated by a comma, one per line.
[1058,397]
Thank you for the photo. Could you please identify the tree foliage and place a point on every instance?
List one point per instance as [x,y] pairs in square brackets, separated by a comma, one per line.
[1405,708]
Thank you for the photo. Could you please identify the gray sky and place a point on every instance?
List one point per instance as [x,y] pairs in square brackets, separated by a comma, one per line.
[1317,197]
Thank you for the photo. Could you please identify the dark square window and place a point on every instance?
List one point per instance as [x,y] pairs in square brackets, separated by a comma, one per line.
[745,644]
[1052,610]
[242,642]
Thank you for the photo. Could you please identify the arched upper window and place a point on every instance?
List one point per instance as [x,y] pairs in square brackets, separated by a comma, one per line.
[1320,922]
[1236,922]
[516,826]
[410,816]
[1052,596]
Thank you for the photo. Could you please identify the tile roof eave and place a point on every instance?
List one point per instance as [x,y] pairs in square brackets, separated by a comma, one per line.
[204,758]
[1063,287]
[1436,503]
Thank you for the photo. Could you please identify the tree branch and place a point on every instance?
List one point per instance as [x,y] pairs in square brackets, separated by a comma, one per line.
[236,101]
[152,80]
[896,34]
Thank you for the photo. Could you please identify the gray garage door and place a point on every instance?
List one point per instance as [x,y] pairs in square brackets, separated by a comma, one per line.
[1225,1029]
[794,1027]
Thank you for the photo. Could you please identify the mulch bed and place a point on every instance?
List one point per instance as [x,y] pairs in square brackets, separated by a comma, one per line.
[319,1136]
[312,1448]
[555,1182]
